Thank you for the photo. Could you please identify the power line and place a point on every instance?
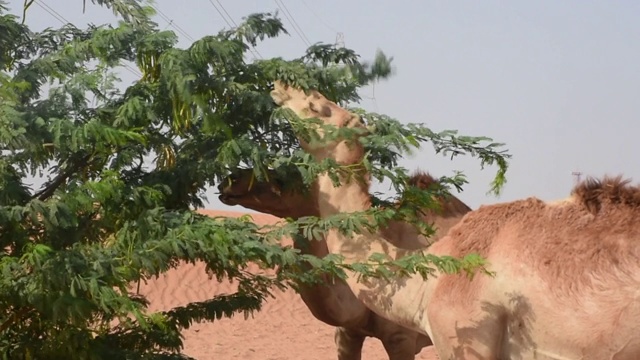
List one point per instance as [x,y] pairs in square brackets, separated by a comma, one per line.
[226,12]
[255,51]
[167,26]
[64,21]
[222,15]
[53,12]
[293,22]
[232,24]
[319,17]
[173,23]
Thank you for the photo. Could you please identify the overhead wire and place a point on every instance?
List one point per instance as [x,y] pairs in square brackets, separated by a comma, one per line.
[222,15]
[373,84]
[314,13]
[52,12]
[226,12]
[233,25]
[167,26]
[293,22]
[172,23]
[64,21]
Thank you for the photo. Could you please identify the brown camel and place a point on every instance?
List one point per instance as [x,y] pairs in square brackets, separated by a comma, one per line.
[567,280]
[333,302]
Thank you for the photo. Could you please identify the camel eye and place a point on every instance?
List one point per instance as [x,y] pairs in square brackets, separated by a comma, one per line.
[323,110]
[326,111]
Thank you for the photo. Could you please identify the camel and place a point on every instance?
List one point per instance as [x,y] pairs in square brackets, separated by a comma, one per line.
[566,281]
[333,302]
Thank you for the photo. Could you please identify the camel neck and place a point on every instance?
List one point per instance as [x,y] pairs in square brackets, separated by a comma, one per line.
[351,196]
[354,196]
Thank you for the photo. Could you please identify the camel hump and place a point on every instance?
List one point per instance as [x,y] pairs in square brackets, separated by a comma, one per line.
[422,180]
[594,193]
[450,205]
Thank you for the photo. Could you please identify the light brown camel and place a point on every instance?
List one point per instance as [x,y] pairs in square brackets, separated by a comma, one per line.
[333,302]
[567,280]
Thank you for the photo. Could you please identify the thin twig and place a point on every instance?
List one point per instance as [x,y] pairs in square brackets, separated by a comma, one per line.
[27,4]
[14,318]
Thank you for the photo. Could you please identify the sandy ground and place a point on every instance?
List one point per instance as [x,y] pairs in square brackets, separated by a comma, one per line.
[283,330]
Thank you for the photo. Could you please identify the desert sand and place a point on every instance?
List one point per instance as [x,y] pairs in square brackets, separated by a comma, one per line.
[283,330]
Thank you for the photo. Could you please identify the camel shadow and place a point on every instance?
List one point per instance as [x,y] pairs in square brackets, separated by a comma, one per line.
[515,321]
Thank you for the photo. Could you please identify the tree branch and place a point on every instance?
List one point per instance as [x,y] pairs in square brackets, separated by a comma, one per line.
[46,192]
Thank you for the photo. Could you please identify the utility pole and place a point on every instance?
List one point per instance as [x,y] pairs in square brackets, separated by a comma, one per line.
[340,40]
[577,175]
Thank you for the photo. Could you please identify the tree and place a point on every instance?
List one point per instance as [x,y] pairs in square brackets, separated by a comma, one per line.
[106,218]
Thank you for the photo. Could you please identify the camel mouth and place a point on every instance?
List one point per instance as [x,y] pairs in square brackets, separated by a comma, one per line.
[229,199]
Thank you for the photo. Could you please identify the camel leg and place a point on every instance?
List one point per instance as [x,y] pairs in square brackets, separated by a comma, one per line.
[349,344]
[400,345]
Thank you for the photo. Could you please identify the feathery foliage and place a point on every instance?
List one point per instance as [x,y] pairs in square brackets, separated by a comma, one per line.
[126,167]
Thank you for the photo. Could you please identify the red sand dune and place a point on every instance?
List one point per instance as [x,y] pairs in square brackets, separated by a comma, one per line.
[284,329]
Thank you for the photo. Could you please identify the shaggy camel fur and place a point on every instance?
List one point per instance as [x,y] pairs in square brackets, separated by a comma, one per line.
[567,281]
[333,302]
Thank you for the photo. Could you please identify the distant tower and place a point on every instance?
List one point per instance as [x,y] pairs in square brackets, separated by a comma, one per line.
[340,40]
[577,175]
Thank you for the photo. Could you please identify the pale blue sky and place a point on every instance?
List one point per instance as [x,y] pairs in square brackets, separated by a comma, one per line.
[558,82]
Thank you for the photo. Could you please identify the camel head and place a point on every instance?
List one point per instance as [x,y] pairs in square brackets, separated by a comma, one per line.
[315,106]
[271,196]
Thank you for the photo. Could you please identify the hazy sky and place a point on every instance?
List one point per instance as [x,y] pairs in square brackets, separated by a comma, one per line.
[555,81]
